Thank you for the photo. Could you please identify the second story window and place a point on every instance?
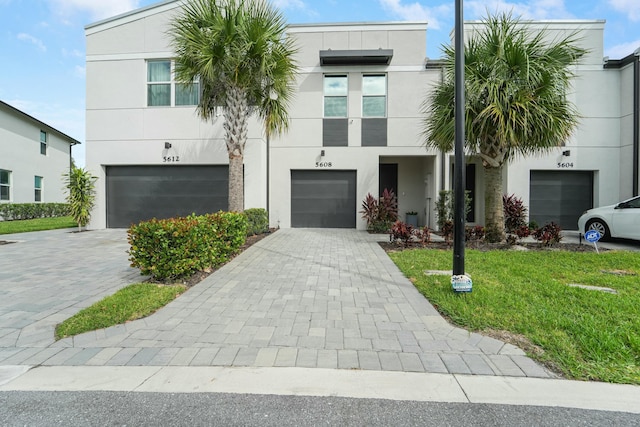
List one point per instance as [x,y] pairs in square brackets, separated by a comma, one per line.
[158,83]
[5,185]
[43,142]
[374,95]
[162,90]
[335,96]
[38,188]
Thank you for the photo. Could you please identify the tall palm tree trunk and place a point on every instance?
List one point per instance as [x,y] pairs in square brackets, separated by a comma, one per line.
[493,210]
[236,184]
[236,114]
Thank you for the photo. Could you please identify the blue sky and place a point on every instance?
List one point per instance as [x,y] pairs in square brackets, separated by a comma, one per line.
[42,41]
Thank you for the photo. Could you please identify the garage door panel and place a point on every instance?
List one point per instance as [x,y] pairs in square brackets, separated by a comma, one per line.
[560,196]
[323,199]
[138,193]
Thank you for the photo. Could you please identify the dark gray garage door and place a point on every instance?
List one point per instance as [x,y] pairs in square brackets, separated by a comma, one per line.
[323,199]
[138,193]
[560,196]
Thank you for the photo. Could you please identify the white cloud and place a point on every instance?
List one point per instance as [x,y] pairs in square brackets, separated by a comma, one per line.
[80,71]
[289,4]
[97,9]
[33,40]
[533,9]
[621,50]
[628,7]
[73,53]
[418,12]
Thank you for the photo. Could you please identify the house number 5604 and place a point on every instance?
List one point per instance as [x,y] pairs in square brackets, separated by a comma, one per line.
[563,165]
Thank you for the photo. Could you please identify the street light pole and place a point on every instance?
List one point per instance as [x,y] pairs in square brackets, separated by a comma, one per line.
[459,166]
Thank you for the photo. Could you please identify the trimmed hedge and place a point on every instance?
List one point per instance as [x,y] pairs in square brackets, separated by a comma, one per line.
[178,247]
[257,221]
[18,211]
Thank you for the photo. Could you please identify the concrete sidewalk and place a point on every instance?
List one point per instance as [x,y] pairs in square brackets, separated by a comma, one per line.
[406,386]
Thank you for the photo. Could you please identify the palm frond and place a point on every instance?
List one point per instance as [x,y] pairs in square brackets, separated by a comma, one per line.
[516,81]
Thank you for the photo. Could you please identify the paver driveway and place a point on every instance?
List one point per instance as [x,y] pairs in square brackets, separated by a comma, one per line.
[300,297]
[47,276]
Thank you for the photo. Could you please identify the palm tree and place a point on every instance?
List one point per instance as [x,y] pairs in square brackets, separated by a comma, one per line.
[516,83]
[239,51]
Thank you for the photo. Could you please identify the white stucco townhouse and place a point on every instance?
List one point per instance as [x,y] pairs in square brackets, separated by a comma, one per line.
[33,158]
[355,129]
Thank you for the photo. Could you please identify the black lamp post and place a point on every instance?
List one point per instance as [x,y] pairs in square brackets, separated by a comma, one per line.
[459,166]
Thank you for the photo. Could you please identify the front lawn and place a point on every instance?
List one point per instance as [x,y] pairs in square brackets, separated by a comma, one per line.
[130,303]
[38,224]
[585,334]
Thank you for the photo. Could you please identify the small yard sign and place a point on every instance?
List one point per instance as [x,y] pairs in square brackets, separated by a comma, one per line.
[593,236]
[461,283]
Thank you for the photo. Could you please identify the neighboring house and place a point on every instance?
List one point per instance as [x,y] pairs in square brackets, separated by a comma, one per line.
[355,129]
[598,165]
[33,158]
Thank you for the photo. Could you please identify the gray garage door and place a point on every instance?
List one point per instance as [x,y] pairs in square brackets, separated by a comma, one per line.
[323,199]
[560,196]
[138,193]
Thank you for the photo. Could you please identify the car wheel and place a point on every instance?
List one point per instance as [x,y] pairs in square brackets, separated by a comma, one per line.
[601,227]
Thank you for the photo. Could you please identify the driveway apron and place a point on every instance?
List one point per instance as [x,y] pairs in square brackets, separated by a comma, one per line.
[298,298]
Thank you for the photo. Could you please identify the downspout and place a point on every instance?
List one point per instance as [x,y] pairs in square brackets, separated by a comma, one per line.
[268,207]
[71,157]
[636,121]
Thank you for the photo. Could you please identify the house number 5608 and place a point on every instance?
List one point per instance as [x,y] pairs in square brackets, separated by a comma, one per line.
[323,164]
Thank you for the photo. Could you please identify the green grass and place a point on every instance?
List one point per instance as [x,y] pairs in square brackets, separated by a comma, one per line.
[39,224]
[129,303]
[586,334]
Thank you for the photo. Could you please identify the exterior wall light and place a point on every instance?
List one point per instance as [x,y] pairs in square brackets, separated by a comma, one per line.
[167,145]
[566,153]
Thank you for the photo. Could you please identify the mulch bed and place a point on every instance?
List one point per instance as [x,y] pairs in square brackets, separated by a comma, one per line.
[485,246]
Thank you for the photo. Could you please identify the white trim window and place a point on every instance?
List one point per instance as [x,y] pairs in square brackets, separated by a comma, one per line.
[163,91]
[5,185]
[336,89]
[43,143]
[374,95]
[38,188]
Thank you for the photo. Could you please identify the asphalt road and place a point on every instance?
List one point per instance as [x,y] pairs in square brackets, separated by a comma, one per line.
[219,409]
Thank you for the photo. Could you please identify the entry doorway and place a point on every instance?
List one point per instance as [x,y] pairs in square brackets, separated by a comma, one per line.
[388,178]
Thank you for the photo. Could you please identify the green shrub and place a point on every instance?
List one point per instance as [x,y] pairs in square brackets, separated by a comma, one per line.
[19,211]
[178,247]
[257,221]
[445,207]
[81,187]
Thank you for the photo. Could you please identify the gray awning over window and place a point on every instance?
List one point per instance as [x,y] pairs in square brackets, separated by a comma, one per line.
[356,57]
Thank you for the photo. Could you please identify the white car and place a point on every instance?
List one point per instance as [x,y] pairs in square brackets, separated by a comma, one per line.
[620,220]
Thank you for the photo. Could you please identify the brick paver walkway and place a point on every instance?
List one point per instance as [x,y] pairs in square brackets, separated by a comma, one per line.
[300,297]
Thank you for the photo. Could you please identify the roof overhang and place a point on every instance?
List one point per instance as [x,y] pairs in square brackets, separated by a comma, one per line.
[356,57]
